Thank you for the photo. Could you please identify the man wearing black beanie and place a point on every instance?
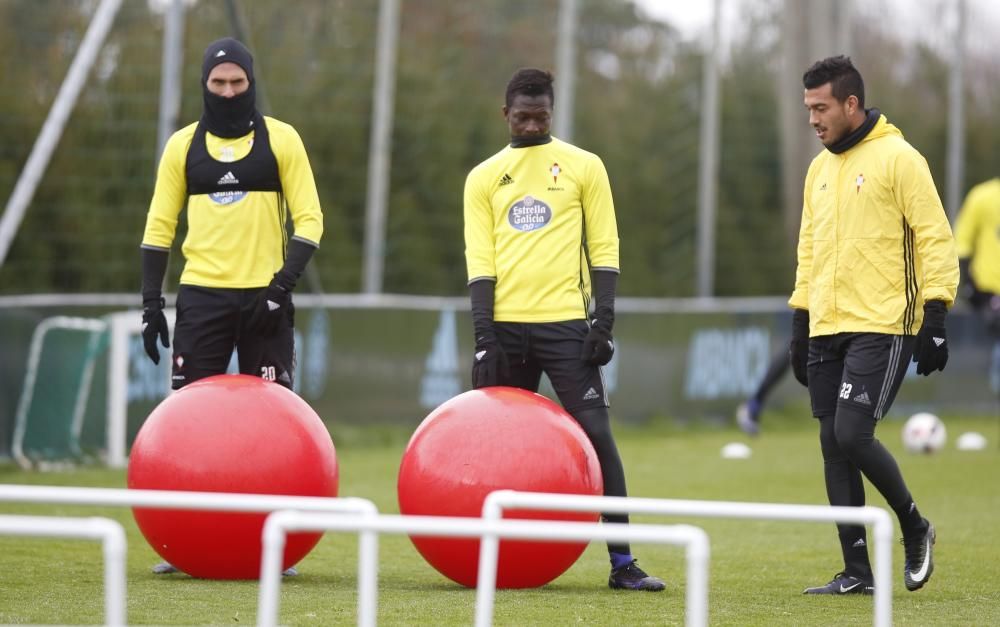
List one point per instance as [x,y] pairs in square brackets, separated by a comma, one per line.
[228,115]
[241,175]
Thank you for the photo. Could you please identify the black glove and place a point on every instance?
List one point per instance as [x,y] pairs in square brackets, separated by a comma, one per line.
[273,304]
[489,363]
[798,348]
[154,324]
[598,346]
[931,350]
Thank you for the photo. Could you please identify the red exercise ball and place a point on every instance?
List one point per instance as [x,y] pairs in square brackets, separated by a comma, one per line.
[492,439]
[229,433]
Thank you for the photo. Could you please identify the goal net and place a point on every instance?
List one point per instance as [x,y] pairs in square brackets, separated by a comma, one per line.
[49,421]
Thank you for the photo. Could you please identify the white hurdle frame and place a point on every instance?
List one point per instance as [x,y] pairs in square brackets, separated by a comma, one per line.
[109,532]
[210,501]
[279,523]
[881,523]
[177,499]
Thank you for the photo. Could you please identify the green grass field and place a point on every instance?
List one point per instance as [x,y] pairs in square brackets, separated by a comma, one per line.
[758,569]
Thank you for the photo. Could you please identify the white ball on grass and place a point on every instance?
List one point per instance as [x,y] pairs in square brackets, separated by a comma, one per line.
[924,433]
[971,441]
[736,450]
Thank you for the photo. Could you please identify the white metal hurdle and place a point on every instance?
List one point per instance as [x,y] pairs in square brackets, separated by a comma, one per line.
[279,523]
[210,501]
[109,532]
[879,519]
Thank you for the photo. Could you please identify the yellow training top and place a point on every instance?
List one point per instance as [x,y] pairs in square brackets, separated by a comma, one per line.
[875,242]
[537,220]
[235,239]
[977,234]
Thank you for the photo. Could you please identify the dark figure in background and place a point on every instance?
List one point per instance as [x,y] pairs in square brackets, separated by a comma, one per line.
[977,237]
[540,230]
[877,271]
[240,175]
[748,413]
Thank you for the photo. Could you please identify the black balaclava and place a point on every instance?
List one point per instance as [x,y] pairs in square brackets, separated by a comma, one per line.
[228,117]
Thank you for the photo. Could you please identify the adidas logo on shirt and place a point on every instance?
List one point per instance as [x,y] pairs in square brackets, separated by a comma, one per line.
[506,180]
[228,179]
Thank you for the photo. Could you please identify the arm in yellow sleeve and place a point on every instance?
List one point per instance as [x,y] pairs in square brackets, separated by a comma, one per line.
[803,271]
[480,244]
[297,181]
[967,225]
[170,193]
[922,208]
[599,217]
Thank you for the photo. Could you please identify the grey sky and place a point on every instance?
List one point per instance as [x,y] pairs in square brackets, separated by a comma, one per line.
[932,21]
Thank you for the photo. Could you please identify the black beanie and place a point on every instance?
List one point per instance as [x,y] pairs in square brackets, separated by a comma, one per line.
[233,116]
[226,50]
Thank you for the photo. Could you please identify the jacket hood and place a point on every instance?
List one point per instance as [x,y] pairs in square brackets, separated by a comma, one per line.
[883,128]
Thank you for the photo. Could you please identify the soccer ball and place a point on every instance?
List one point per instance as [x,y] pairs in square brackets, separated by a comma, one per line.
[924,433]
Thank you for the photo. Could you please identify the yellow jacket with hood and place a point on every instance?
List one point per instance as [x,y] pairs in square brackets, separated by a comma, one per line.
[875,242]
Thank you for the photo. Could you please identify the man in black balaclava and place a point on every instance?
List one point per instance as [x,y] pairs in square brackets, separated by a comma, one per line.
[240,175]
[228,114]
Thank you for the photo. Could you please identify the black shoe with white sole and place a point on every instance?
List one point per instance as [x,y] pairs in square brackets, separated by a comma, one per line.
[843,583]
[919,550]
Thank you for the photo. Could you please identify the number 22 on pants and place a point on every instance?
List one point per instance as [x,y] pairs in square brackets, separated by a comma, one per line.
[845,389]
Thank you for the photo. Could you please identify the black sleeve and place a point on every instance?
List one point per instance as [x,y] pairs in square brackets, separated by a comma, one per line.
[965,279]
[967,287]
[481,295]
[605,287]
[154,268]
[299,254]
